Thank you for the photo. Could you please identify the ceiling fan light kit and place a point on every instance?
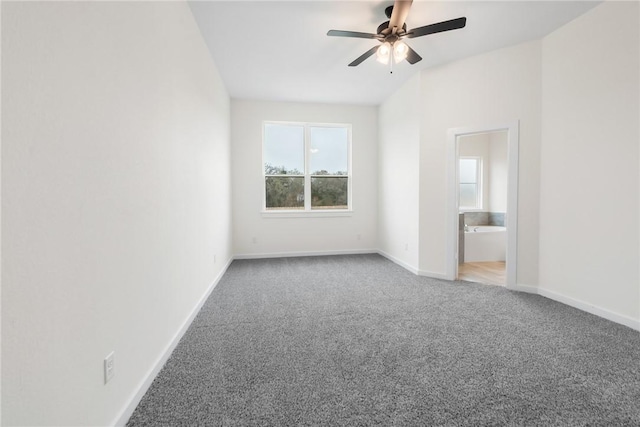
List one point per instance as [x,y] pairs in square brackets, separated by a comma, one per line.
[383,52]
[400,50]
[391,33]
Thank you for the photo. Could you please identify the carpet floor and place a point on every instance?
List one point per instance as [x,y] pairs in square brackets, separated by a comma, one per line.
[358,340]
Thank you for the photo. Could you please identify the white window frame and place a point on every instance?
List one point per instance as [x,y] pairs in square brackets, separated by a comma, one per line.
[479,184]
[307,211]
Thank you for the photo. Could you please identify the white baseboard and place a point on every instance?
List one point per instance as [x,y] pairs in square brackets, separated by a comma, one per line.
[591,308]
[524,288]
[126,413]
[580,305]
[433,275]
[411,268]
[304,253]
[402,264]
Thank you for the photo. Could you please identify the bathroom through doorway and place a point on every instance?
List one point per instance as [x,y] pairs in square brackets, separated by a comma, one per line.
[482,205]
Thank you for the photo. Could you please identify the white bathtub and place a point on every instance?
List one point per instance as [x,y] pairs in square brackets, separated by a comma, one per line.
[485,243]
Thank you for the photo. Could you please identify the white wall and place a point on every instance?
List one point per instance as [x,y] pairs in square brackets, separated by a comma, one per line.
[490,89]
[589,246]
[115,199]
[301,235]
[0,227]
[498,171]
[399,179]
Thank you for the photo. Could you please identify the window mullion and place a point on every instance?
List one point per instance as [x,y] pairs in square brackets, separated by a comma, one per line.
[307,177]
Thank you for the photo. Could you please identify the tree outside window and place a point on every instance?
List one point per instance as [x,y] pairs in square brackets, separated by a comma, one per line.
[306,166]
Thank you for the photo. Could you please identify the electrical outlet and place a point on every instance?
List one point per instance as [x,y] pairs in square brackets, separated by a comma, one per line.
[109,367]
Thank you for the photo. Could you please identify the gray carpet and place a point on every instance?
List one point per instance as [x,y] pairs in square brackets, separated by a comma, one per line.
[357,340]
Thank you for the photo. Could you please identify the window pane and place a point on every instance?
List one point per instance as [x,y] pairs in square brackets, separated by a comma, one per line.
[329,192]
[283,149]
[329,151]
[285,192]
[468,171]
[468,195]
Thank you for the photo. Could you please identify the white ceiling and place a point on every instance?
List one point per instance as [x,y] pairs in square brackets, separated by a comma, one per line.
[279,50]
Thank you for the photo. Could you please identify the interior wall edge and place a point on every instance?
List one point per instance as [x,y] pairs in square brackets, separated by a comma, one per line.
[153,372]
[529,289]
[401,263]
[0,231]
[432,274]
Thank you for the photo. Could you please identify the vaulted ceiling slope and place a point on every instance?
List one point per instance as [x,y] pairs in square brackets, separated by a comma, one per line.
[279,50]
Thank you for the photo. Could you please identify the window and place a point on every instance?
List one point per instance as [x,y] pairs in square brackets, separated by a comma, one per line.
[470,179]
[306,167]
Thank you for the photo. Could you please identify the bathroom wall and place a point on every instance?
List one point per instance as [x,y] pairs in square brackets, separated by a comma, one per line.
[497,172]
[492,147]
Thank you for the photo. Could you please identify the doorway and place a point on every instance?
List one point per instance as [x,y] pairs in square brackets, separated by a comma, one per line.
[482,197]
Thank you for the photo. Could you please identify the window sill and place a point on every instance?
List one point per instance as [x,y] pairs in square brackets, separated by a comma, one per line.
[306,214]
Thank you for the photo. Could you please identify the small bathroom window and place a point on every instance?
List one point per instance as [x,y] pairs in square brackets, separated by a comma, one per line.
[470,179]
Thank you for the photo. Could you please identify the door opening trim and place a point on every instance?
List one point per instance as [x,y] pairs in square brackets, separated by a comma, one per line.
[511,217]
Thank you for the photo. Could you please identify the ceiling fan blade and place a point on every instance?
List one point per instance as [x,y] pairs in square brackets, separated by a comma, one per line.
[412,56]
[399,14]
[452,24]
[364,56]
[341,33]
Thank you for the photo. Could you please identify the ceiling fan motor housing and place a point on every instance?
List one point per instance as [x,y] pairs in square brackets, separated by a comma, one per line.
[385,25]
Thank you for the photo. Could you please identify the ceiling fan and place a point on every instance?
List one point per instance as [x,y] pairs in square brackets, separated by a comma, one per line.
[391,33]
